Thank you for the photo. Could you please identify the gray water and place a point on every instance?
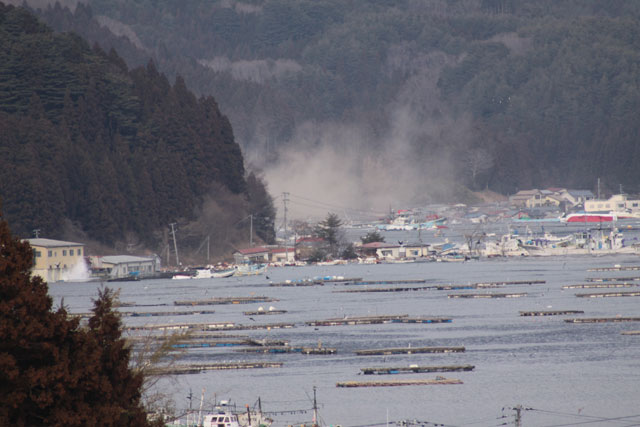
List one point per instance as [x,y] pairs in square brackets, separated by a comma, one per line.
[567,374]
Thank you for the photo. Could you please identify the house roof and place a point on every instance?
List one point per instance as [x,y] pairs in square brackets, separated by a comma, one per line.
[253,251]
[50,243]
[124,259]
[310,240]
[581,193]
[282,250]
[377,245]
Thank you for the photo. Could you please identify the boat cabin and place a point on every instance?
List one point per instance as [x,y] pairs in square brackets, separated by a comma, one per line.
[222,419]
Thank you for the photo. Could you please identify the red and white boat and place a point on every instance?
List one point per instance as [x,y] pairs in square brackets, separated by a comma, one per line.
[588,217]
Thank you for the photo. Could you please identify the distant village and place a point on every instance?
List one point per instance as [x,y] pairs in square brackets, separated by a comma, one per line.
[57,260]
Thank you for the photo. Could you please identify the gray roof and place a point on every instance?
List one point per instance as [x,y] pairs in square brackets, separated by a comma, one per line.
[580,192]
[124,259]
[50,243]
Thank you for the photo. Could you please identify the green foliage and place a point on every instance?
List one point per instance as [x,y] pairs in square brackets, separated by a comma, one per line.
[329,230]
[52,371]
[349,252]
[372,236]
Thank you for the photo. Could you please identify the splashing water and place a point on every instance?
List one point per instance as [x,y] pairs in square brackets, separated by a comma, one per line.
[79,272]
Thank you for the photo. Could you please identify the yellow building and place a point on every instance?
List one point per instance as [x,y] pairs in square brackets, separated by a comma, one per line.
[56,260]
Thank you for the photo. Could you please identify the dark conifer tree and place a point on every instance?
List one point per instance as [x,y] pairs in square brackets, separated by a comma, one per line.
[52,371]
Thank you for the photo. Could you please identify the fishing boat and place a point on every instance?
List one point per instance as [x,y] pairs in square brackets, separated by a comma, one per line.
[250,269]
[219,274]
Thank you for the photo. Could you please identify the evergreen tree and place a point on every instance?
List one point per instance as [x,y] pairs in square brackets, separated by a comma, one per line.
[329,230]
[52,371]
[372,236]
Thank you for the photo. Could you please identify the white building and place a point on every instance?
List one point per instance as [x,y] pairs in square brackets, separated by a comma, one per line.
[56,260]
[118,266]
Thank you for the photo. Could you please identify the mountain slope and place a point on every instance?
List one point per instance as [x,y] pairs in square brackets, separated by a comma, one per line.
[504,94]
[89,147]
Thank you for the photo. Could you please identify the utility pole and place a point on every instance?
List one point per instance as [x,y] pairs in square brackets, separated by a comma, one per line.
[251,230]
[175,244]
[315,408]
[36,233]
[518,410]
[285,200]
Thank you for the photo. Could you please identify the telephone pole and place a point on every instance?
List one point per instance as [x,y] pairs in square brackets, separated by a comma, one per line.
[285,200]
[251,230]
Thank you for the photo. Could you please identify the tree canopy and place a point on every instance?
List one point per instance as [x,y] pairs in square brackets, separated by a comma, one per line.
[53,371]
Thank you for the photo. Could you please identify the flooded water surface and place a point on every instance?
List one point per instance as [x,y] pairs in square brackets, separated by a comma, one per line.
[561,373]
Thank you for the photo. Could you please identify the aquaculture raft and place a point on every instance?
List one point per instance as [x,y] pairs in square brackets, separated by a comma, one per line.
[372,320]
[416,369]
[197,368]
[230,300]
[550,312]
[603,320]
[518,295]
[611,294]
[396,383]
[602,285]
[287,349]
[409,350]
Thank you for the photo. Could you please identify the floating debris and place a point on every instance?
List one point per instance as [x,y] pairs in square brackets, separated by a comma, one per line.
[630,333]
[494,295]
[437,381]
[416,369]
[610,294]
[603,320]
[550,312]
[409,350]
[197,368]
[230,300]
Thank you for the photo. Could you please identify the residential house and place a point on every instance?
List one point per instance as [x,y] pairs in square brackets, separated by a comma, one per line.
[259,254]
[527,199]
[265,254]
[616,203]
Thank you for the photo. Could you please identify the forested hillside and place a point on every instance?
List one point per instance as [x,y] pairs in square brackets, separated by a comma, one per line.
[505,94]
[90,150]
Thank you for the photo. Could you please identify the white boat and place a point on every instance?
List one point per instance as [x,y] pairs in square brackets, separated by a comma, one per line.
[206,273]
[250,269]
[218,274]
[225,415]
[221,419]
